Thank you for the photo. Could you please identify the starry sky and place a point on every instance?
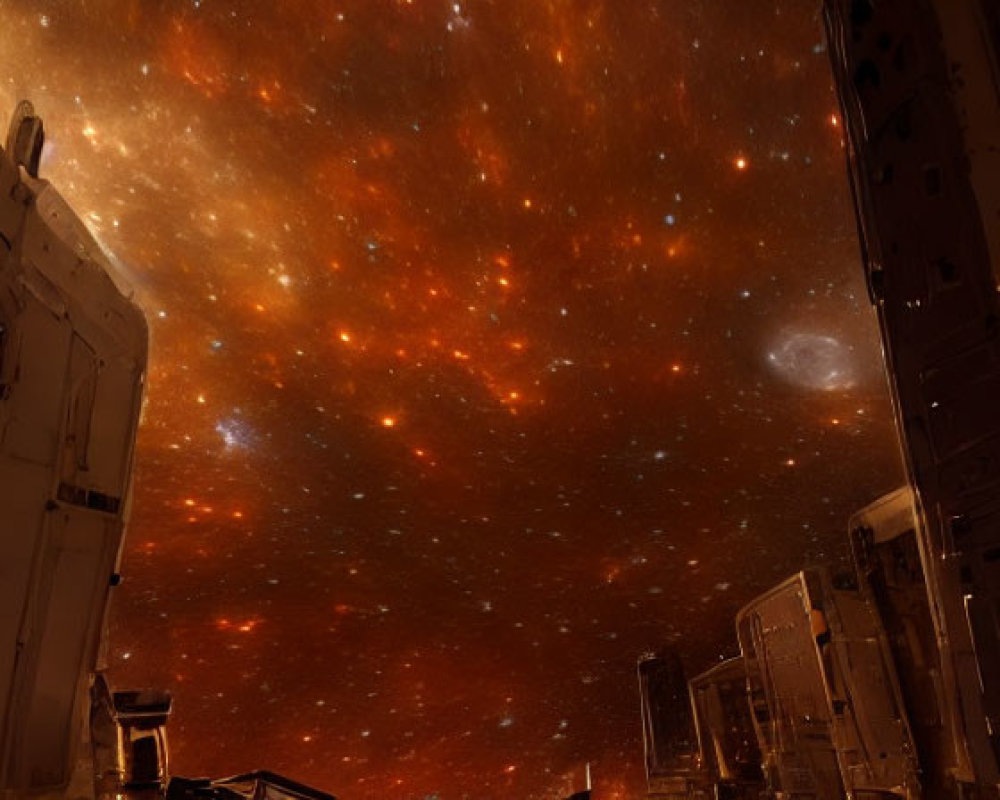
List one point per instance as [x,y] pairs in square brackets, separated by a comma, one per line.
[493,343]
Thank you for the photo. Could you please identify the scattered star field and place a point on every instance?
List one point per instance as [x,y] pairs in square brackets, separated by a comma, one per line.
[493,343]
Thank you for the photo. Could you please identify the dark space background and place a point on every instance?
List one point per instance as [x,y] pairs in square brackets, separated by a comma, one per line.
[493,343]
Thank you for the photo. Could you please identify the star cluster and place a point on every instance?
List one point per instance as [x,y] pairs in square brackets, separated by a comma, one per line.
[493,343]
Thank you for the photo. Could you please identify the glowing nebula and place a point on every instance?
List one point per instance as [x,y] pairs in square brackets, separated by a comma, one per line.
[455,401]
[813,361]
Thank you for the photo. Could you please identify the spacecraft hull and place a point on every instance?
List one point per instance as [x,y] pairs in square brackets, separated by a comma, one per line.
[727,741]
[921,104]
[72,360]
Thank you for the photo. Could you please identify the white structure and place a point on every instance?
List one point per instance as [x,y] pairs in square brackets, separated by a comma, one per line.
[72,360]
